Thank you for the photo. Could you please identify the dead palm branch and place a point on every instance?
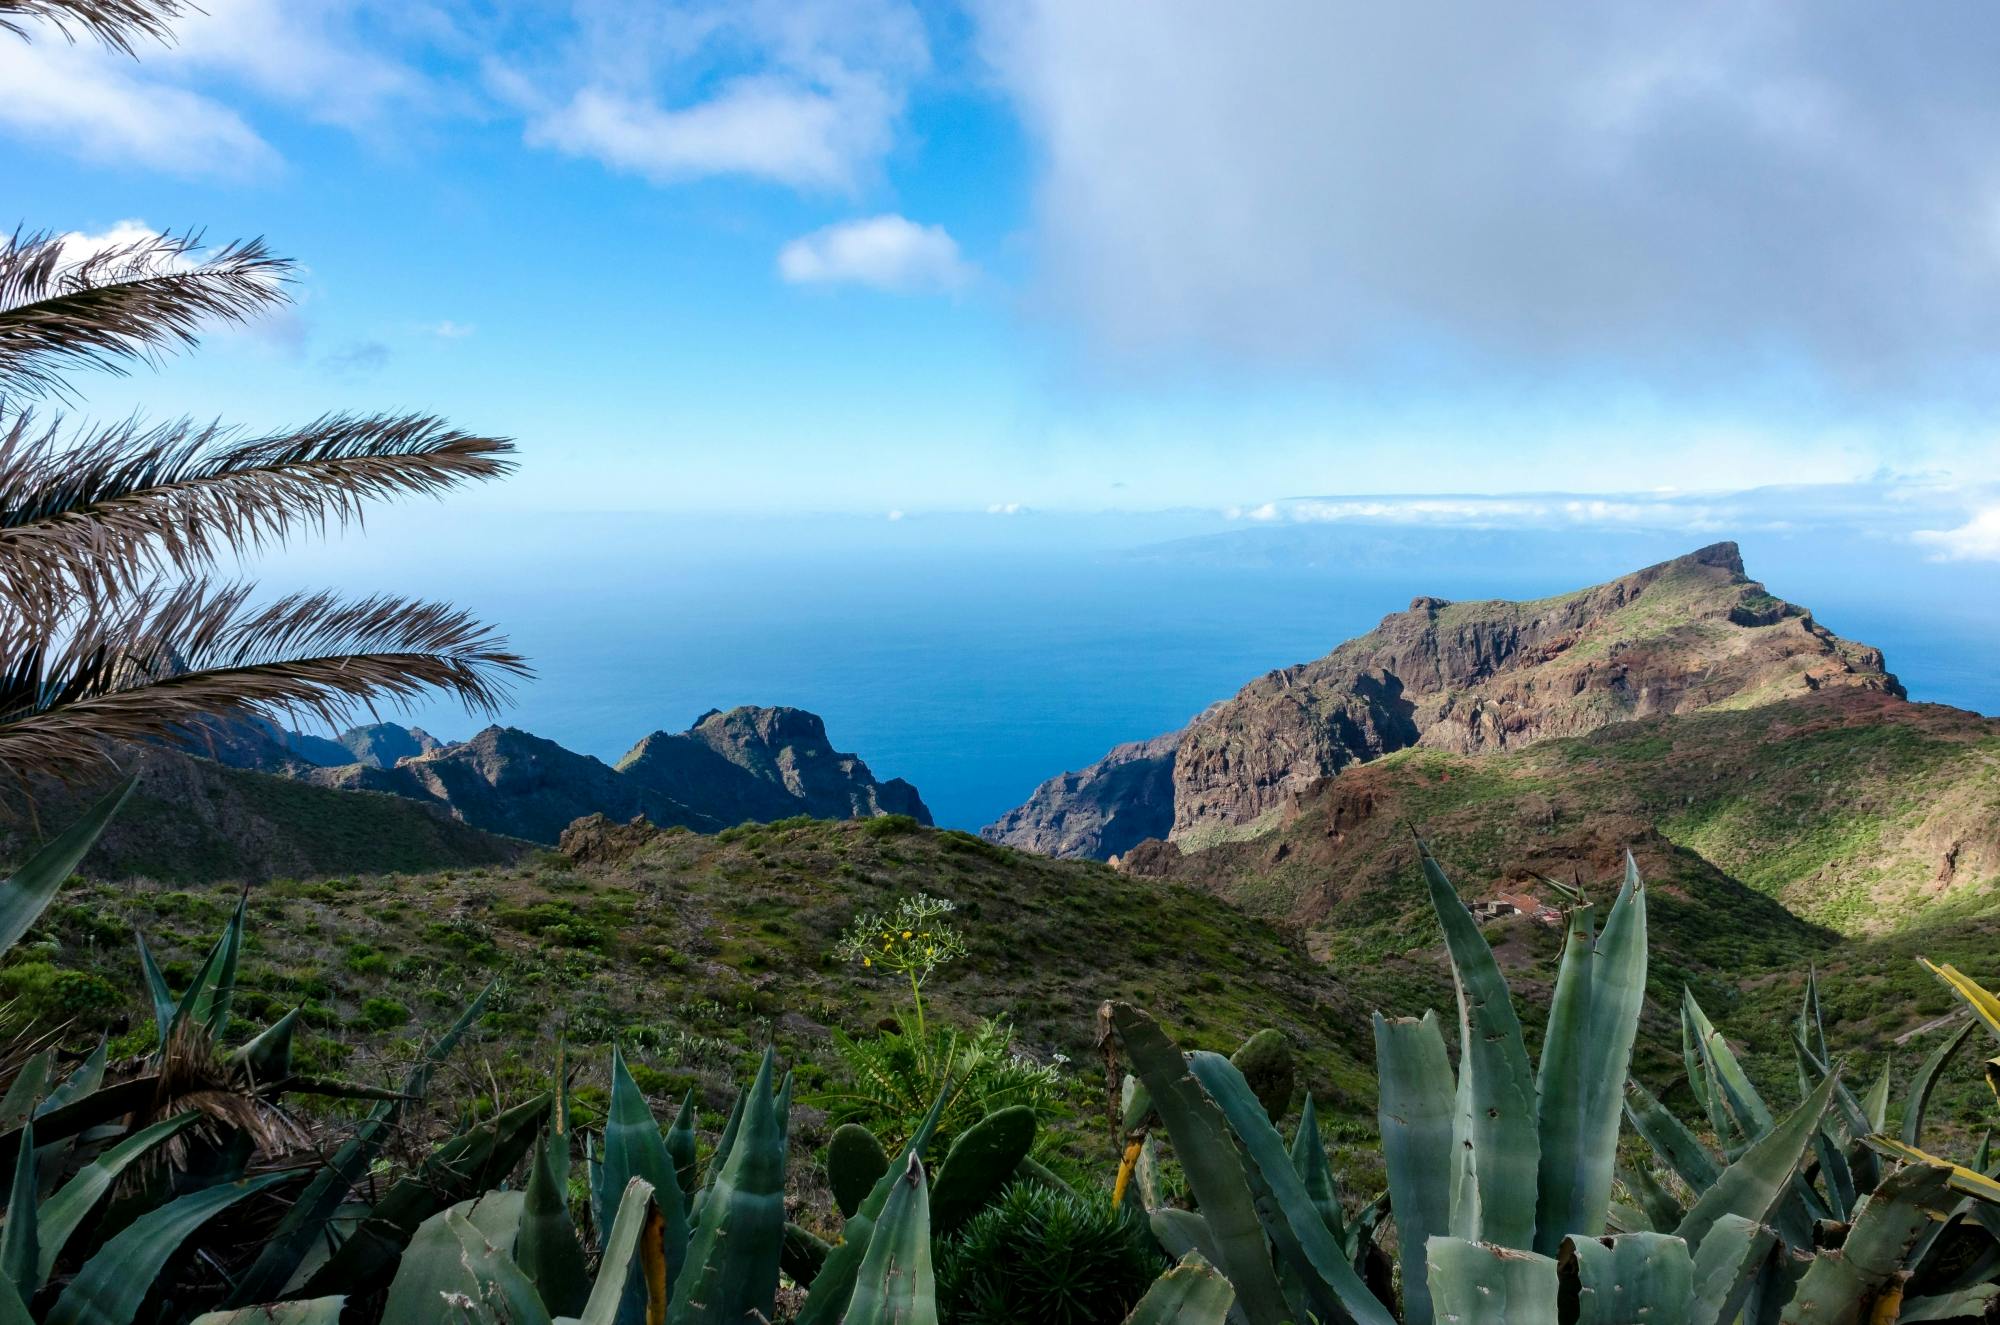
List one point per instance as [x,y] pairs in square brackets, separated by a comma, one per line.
[152,664]
[116,23]
[64,308]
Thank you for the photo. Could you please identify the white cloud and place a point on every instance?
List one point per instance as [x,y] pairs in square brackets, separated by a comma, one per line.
[1978,539]
[1006,508]
[450,330]
[82,100]
[804,94]
[1726,191]
[887,252]
[895,516]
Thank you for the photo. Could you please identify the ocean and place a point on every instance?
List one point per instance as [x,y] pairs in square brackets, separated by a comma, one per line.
[977,656]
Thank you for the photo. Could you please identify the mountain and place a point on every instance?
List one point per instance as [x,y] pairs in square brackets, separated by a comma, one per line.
[748,764]
[505,780]
[1476,678]
[382,745]
[763,764]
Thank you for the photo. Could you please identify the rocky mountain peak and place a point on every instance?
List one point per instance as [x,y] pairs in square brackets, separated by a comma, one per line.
[1690,633]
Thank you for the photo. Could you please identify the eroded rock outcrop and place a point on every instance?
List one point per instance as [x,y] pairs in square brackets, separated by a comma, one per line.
[1688,634]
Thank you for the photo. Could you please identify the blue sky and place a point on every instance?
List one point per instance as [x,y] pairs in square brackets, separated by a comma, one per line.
[865,256]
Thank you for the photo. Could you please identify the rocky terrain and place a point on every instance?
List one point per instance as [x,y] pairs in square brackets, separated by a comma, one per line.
[1687,635]
[747,764]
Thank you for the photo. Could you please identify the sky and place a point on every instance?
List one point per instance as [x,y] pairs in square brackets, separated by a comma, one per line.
[1267,260]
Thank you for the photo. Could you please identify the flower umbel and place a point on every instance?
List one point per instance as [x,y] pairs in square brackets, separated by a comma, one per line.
[911,941]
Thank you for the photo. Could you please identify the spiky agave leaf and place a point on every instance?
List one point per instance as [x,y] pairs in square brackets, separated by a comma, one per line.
[100,512]
[116,23]
[189,655]
[105,307]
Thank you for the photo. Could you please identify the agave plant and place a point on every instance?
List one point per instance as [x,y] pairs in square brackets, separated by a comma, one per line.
[111,627]
[670,1249]
[1502,1175]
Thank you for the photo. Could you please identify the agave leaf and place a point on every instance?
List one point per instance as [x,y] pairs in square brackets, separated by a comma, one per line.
[731,1270]
[1584,1065]
[1876,1105]
[1754,1185]
[1631,1279]
[1839,1284]
[634,1148]
[1477,1283]
[1968,1181]
[1811,1026]
[1310,1163]
[1191,1293]
[1292,1221]
[500,1288]
[20,1245]
[433,1264]
[1670,1139]
[306,1220]
[1661,1209]
[212,1003]
[1183,1233]
[115,1283]
[88,1076]
[636,1225]
[833,1285]
[1495,1134]
[894,1285]
[156,986]
[1745,1106]
[1925,1081]
[26,1091]
[724,1142]
[1983,1003]
[1726,1267]
[62,1212]
[268,1056]
[470,1163]
[681,1143]
[317,1311]
[1215,1172]
[12,1311]
[27,892]
[1415,1107]
[547,1247]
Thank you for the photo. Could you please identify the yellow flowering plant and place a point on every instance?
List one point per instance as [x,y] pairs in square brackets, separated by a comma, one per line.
[911,941]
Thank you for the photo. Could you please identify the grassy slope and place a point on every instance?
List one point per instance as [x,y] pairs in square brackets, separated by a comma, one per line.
[697,951]
[195,820]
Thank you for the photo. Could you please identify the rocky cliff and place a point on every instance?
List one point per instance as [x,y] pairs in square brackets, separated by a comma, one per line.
[747,764]
[764,764]
[1688,634]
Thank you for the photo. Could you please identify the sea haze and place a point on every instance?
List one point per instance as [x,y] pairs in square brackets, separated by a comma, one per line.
[978,655]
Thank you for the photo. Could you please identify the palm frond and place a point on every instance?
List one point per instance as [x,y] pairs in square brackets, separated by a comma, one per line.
[116,23]
[125,502]
[123,302]
[167,659]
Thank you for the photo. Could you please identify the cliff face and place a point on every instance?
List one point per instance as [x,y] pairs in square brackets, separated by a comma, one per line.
[1689,634]
[748,764]
[766,763]
[1102,811]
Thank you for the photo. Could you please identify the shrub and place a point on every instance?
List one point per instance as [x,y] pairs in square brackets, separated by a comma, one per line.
[44,994]
[892,1078]
[1048,1256]
[382,1014]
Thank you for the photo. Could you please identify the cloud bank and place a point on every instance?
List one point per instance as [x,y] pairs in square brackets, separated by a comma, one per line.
[1715,189]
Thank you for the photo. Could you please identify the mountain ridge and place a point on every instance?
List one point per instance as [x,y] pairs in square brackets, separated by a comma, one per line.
[1685,634]
[731,766]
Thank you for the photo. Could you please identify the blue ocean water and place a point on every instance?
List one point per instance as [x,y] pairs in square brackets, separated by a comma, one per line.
[977,658]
